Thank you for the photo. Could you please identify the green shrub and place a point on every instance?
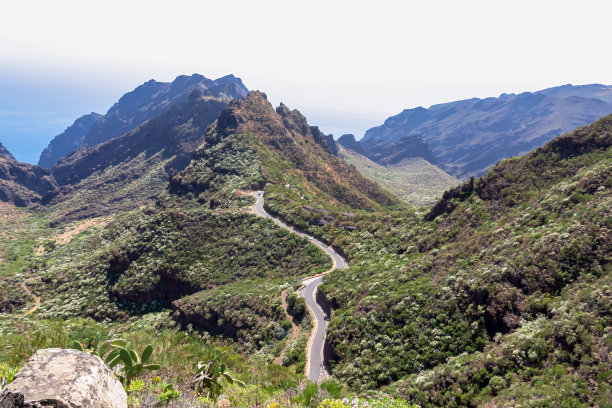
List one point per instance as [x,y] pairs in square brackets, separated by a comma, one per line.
[209,372]
[132,364]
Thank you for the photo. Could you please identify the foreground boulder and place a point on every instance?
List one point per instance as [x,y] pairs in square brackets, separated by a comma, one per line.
[64,379]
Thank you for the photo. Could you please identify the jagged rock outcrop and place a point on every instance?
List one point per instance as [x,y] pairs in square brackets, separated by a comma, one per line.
[332,146]
[5,154]
[147,101]
[348,141]
[23,184]
[252,141]
[64,379]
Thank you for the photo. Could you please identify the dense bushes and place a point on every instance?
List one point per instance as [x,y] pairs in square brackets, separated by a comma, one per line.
[424,296]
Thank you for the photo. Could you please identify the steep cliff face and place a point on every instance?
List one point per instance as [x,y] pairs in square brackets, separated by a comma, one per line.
[134,108]
[393,152]
[133,169]
[348,141]
[68,141]
[177,133]
[23,184]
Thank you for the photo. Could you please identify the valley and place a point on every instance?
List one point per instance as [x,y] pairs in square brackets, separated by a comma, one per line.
[367,271]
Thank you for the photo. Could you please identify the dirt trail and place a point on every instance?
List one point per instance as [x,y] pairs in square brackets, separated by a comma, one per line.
[295,329]
[36,299]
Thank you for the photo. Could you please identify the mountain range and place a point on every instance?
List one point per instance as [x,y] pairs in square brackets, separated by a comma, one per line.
[470,136]
[496,293]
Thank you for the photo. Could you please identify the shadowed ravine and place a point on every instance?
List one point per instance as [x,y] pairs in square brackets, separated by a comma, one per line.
[315,369]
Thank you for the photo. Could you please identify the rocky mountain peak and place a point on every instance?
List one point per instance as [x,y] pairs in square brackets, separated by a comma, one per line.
[5,154]
[145,102]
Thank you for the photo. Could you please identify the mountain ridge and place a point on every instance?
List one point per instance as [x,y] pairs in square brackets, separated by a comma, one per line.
[470,136]
[277,146]
[134,168]
[145,102]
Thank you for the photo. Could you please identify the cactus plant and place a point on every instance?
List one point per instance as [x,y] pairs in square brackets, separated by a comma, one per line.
[208,373]
[97,347]
[132,364]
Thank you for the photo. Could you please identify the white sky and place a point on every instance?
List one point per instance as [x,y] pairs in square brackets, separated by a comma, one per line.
[347,65]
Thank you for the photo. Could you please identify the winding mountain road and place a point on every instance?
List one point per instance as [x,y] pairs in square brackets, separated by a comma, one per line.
[315,368]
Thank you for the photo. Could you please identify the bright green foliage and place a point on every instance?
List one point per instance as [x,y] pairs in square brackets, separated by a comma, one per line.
[168,394]
[295,353]
[132,364]
[7,375]
[354,402]
[209,372]
[308,395]
[137,385]
[97,347]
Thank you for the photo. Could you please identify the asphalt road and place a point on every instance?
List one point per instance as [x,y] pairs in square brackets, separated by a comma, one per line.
[316,369]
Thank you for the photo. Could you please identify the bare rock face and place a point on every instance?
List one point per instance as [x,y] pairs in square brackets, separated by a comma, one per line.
[64,379]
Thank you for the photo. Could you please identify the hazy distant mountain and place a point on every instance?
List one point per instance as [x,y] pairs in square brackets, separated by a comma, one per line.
[68,141]
[470,136]
[349,142]
[143,103]
[387,152]
[597,91]
[5,154]
[23,184]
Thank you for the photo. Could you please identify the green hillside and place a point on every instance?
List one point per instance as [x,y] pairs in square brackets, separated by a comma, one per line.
[414,180]
[252,145]
[501,299]
[498,295]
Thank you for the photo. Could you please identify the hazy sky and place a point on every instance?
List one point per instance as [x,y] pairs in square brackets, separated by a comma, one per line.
[347,65]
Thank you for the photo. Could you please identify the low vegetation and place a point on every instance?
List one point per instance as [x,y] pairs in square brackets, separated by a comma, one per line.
[498,295]
[413,180]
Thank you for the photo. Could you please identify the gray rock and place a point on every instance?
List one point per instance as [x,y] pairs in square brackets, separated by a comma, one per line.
[64,379]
